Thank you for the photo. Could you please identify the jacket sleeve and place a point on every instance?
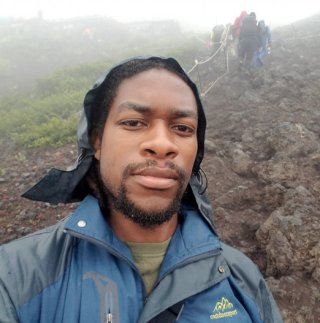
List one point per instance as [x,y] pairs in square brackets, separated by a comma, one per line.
[7,308]
[249,279]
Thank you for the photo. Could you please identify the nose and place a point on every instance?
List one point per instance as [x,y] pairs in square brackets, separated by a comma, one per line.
[159,143]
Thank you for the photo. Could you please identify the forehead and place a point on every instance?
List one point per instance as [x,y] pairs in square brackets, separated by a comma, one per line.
[156,87]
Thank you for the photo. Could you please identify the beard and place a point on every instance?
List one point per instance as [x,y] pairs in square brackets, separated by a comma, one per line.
[118,198]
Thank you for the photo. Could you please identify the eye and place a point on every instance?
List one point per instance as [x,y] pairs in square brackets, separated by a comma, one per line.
[184,129]
[133,124]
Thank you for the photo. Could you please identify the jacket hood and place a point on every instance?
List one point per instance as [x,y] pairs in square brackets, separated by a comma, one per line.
[60,186]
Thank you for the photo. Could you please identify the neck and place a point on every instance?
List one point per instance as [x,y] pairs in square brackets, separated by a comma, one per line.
[127,230]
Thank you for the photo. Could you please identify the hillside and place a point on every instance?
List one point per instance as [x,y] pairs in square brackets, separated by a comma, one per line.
[44,91]
[262,163]
[34,48]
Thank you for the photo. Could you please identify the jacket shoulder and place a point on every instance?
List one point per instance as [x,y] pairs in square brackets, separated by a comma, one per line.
[248,277]
[31,263]
[239,262]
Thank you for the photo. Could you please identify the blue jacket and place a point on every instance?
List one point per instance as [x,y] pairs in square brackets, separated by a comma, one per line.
[78,271]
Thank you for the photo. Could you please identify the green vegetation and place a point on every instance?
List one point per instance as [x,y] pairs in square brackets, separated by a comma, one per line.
[40,99]
[48,115]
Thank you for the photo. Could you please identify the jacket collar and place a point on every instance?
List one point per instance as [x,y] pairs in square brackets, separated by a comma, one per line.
[193,237]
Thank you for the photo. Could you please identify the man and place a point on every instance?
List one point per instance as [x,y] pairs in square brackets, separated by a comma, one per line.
[248,41]
[264,34]
[216,37]
[141,247]
[235,31]
[237,24]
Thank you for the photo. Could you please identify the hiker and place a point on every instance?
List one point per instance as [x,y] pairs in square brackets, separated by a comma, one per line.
[264,35]
[248,40]
[235,32]
[141,246]
[216,37]
[237,24]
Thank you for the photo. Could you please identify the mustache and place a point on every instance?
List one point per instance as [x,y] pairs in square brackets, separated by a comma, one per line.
[138,167]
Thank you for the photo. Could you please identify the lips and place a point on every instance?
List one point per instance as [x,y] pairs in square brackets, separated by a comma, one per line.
[156,178]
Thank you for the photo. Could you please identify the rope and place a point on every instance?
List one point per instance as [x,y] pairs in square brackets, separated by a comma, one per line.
[197,63]
[212,84]
[223,44]
[201,40]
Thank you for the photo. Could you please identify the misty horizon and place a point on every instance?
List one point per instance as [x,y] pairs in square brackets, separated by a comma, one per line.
[200,16]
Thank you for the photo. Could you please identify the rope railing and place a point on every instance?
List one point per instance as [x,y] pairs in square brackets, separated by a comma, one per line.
[212,84]
[223,44]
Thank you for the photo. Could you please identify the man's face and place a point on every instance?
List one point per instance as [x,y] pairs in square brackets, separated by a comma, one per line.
[148,147]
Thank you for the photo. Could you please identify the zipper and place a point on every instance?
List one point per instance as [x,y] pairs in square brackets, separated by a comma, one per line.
[109,307]
[109,318]
[132,265]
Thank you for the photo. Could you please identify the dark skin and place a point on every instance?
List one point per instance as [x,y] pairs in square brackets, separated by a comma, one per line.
[151,126]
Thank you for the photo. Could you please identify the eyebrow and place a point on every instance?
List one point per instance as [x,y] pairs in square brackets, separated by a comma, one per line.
[143,109]
[133,106]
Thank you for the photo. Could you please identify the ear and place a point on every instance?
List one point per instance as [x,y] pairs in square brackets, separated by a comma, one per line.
[97,148]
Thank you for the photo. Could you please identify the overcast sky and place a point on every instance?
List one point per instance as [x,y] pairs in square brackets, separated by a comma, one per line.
[204,13]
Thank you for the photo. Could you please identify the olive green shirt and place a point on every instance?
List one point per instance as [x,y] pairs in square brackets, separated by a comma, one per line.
[148,258]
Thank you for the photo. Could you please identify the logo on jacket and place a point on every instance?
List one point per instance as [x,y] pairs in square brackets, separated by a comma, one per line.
[222,309]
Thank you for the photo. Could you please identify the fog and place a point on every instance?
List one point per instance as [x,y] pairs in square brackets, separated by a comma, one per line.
[200,14]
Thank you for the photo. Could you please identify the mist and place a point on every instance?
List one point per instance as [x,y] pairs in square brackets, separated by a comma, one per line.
[199,15]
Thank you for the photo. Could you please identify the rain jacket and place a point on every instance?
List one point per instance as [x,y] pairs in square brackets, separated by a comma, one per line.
[78,271]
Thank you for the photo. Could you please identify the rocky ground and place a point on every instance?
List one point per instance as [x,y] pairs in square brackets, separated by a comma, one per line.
[262,163]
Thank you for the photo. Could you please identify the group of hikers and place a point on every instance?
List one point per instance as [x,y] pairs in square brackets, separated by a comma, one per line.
[251,39]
